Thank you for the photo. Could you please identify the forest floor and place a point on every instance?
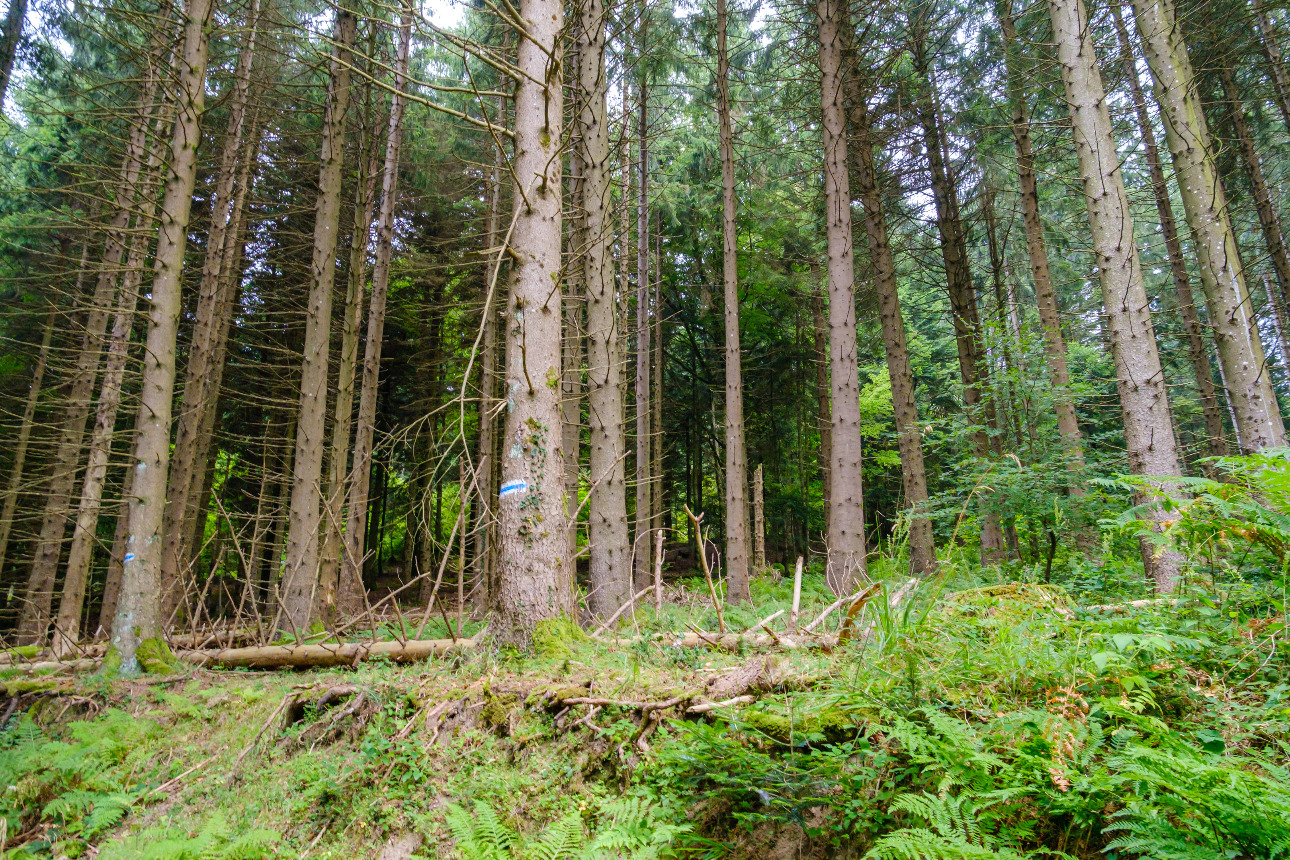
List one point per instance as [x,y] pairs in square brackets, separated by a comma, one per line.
[978,718]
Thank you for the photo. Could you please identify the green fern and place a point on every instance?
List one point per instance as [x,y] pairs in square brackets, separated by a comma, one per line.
[627,829]
[919,843]
[562,840]
[213,841]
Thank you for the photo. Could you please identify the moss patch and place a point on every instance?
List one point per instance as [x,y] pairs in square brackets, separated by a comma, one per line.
[554,637]
[156,658]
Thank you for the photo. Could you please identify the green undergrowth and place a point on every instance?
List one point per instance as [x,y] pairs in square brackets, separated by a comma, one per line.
[979,719]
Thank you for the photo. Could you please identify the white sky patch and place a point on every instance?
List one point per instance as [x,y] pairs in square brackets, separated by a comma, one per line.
[444,13]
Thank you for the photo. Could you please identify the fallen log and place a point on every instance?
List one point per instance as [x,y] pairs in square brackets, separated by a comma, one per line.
[319,656]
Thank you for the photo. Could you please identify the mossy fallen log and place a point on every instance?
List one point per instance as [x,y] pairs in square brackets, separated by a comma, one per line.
[322,655]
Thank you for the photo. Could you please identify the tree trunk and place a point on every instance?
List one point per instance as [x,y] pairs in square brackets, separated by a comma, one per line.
[300,574]
[210,331]
[13,486]
[1230,314]
[846,539]
[913,470]
[33,624]
[71,603]
[138,618]
[351,588]
[1268,220]
[487,458]
[342,419]
[1276,65]
[820,321]
[10,36]
[571,384]
[759,519]
[958,278]
[1144,399]
[736,454]
[607,534]
[533,507]
[1211,410]
[1045,294]
[643,543]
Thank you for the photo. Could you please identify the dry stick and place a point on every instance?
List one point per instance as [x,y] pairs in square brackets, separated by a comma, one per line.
[705,707]
[630,603]
[835,604]
[707,572]
[765,621]
[273,716]
[797,595]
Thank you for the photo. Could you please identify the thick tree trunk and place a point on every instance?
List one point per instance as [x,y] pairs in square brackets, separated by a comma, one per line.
[210,331]
[1144,399]
[10,36]
[913,470]
[300,573]
[571,388]
[958,278]
[1045,294]
[643,542]
[1230,314]
[1211,409]
[1278,321]
[138,618]
[342,418]
[1276,65]
[736,453]
[13,487]
[607,534]
[33,624]
[533,506]
[351,588]
[846,539]
[71,603]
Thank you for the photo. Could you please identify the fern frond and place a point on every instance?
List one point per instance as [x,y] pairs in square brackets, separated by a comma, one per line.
[562,840]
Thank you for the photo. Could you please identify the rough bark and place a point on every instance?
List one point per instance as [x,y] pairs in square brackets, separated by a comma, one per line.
[351,592]
[33,624]
[1037,250]
[343,415]
[1231,315]
[300,574]
[68,622]
[607,533]
[533,507]
[643,543]
[138,613]
[958,280]
[1144,399]
[913,470]
[211,318]
[10,36]
[736,452]
[846,539]
[1211,409]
